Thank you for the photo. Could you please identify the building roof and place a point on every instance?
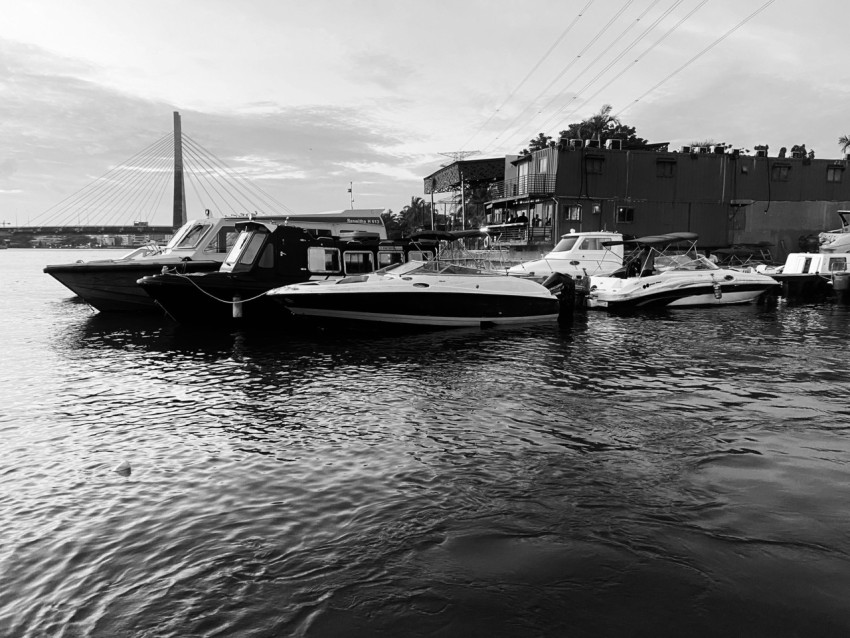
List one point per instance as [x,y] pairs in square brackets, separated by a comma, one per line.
[479,171]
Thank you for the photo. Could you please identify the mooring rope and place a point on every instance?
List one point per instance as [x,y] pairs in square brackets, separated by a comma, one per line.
[210,295]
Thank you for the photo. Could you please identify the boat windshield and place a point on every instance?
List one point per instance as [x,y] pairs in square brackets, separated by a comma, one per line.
[684,261]
[189,236]
[244,250]
[565,244]
[442,268]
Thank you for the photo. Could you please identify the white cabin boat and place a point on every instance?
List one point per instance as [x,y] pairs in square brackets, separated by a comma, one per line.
[807,275]
[577,255]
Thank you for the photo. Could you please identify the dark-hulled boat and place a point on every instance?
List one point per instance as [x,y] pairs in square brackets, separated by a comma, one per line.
[199,246]
[109,285]
[266,256]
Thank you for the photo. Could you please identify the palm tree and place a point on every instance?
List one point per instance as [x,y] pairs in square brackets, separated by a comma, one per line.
[414,213]
[600,122]
[844,142]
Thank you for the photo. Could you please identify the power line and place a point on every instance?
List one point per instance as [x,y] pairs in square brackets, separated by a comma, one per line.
[701,53]
[628,66]
[531,72]
[572,62]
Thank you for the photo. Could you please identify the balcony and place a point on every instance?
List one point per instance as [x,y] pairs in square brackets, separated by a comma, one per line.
[536,184]
[514,234]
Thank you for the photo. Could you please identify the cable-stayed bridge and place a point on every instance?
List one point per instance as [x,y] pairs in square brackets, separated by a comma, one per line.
[127,198]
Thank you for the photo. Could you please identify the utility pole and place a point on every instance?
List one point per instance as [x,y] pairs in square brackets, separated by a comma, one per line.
[457,157]
[351,193]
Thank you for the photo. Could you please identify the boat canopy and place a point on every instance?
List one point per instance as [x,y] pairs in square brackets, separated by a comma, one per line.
[654,240]
[447,235]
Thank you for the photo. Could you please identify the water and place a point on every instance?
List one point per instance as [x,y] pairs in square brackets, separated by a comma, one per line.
[681,473]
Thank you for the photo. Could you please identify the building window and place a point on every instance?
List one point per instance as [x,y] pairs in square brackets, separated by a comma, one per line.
[543,164]
[779,173]
[593,165]
[665,169]
[834,173]
[625,215]
[573,213]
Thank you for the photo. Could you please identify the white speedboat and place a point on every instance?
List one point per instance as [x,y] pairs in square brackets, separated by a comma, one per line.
[659,275]
[577,255]
[432,294]
[837,240]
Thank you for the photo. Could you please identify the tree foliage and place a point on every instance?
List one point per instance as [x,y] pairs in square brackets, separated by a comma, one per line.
[602,126]
[414,216]
[844,143]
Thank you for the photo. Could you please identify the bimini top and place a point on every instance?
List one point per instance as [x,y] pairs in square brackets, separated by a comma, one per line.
[446,235]
[654,240]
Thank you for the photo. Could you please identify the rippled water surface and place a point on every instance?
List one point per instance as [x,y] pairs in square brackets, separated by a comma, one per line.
[678,474]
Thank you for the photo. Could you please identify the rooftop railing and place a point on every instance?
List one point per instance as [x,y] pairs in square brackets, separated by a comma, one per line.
[536,184]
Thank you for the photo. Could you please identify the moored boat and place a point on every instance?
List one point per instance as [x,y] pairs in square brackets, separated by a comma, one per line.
[837,240]
[812,275]
[200,245]
[577,254]
[265,256]
[661,274]
[431,294]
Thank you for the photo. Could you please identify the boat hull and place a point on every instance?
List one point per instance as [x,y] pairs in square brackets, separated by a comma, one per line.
[694,295]
[426,309]
[110,286]
[215,299]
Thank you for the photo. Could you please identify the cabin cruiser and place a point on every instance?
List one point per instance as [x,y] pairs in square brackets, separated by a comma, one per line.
[838,240]
[806,275]
[658,273]
[200,245]
[576,254]
[265,256]
[432,294]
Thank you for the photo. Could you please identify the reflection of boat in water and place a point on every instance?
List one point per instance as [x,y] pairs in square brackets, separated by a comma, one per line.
[837,240]
[576,254]
[656,274]
[266,256]
[433,294]
[198,246]
[812,275]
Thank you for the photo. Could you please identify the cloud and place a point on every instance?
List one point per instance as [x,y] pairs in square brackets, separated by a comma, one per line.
[63,130]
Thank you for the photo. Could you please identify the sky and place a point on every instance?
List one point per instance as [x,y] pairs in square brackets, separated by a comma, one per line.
[308,99]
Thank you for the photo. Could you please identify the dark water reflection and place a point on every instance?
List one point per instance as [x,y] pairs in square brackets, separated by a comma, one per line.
[681,473]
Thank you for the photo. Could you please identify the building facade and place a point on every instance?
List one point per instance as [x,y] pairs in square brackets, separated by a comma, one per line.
[726,197]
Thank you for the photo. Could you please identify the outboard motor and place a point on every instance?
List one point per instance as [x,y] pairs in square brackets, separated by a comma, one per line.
[563,286]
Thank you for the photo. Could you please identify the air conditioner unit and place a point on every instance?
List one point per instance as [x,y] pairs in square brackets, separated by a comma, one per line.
[592,144]
[576,143]
[614,145]
[719,150]
[686,149]
[700,149]
[798,154]
[761,152]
